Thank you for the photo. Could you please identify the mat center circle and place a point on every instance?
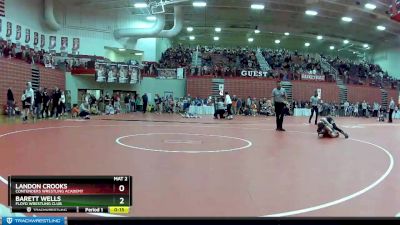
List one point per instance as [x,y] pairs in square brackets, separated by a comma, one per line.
[183,143]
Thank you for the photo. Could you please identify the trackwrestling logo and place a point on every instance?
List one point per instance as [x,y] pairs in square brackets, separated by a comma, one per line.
[33,220]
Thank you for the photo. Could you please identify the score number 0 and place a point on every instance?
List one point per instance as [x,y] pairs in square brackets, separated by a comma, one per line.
[121,188]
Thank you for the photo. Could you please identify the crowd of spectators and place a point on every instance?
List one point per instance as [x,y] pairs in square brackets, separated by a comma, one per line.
[32,56]
[47,103]
[175,57]
[361,72]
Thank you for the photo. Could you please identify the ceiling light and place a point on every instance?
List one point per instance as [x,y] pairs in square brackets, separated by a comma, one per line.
[122,49]
[257,31]
[140,5]
[346,41]
[307,44]
[381,28]
[332,47]
[287,33]
[277,41]
[347,19]
[199,4]
[250,39]
[216,38]
[139,53]
[319,37]
[370,6]
[365,45]
[257,6]
[189,29]
[218,29]
[151,18]
[192,38]
[311,13]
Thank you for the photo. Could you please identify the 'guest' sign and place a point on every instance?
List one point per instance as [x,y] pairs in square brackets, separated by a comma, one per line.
[245,73]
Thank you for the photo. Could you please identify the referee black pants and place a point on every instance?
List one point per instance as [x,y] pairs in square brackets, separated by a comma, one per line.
[229,109]
[314,108]
[279,114]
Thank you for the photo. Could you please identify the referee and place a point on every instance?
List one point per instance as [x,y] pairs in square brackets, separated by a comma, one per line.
[314,104]
[279,98]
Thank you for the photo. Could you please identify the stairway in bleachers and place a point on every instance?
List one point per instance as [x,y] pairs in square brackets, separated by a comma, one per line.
[196,60]
[265,67]
[343,91]
[35,77]
[384,102]
[289,90]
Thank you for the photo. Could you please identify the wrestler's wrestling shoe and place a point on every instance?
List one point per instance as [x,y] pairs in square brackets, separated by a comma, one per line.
[346,135]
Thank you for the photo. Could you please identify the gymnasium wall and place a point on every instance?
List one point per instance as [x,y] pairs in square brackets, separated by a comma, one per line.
[389,59]
[361,93]
[15,73]
[199,87]
[303,90]
[148,85]
[259,88]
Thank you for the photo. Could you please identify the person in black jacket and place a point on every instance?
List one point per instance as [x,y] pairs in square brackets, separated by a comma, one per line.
[56,102]
[145,99]
[38,102]
[46,103]
[10,102]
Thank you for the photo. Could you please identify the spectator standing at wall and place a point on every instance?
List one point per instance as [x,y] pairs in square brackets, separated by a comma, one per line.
[376,109]
[56,102]
[62,103]
[10,102]
[391,110]
[46,103]
[132,101]
[157,100]
[138,103]
[346,107]
[145,100]
[364,107]
[127,103]
[279,98]
[38,102]
[28,99]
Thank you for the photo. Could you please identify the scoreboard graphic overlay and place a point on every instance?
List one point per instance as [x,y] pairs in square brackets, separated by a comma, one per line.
[70,194]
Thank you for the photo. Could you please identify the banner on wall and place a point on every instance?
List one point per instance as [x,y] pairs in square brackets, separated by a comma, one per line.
[42,41]
[134,72]
[9,29]
[319,92]
[123,70]
[180,73]
[316,77]
[167,74]
[52,42]
[75,44]
[18,33]
[221,89]
[35,38]
[27,35]
[64,43]
[116,73]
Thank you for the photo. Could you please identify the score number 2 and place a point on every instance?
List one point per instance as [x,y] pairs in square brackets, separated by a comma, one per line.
[121,188]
